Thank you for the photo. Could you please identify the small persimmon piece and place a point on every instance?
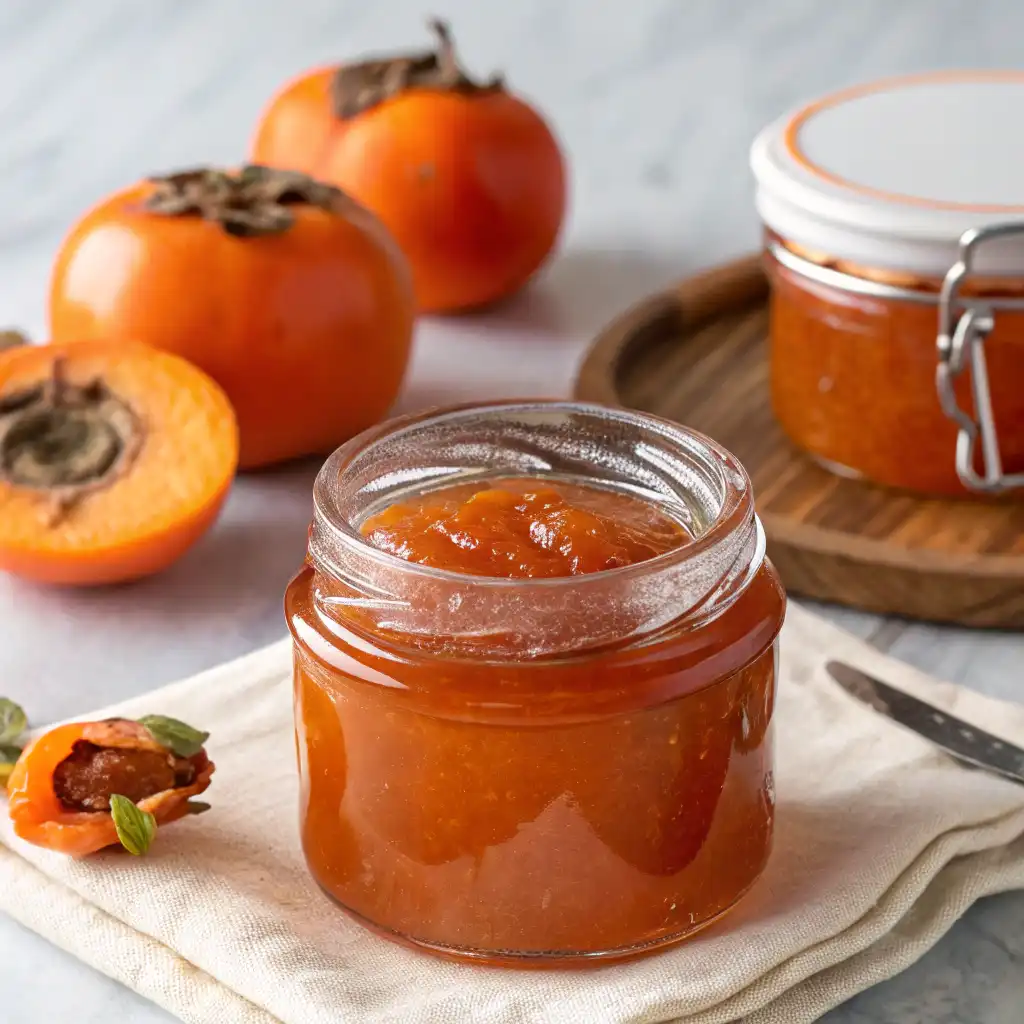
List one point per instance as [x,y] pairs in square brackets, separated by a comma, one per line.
[43,816]
[114,459]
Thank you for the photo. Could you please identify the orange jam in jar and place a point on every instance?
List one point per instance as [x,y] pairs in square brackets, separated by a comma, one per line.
[535,665]
[853,374]
[524,527]
[894,223]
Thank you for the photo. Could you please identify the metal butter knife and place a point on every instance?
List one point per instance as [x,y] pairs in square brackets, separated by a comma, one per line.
[965,742]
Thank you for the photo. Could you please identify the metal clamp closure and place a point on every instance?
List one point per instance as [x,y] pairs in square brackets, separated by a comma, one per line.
[964,324]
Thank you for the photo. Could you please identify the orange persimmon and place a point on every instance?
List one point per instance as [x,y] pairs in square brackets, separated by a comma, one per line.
[114,459]
[467,176]
[288,294]
[59,791]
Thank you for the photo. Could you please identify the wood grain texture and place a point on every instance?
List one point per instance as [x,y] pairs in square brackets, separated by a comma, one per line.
[698,354]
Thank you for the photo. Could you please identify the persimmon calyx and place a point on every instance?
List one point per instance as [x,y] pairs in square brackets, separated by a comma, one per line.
[365,84]
[246,203]
[11,338]
[64,440]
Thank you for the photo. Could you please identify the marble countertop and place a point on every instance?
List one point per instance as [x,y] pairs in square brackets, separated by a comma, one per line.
[656,101]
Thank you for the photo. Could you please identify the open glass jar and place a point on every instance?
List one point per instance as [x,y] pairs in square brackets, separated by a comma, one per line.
[551,770]
[894,217]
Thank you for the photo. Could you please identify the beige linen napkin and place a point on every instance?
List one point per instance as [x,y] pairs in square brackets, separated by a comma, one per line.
[881,844]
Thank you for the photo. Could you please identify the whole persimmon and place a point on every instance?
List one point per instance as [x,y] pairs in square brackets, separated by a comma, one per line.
[289,294]
[467,176]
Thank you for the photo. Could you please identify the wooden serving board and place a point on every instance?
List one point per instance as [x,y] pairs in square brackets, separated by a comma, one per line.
[698,354]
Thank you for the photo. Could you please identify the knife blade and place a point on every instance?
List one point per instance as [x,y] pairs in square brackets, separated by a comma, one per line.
[965,742]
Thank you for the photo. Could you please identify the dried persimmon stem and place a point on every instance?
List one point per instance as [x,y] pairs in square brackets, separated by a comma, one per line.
[447,61]
[362,85]
[246,203]
[59,506]
[56,386]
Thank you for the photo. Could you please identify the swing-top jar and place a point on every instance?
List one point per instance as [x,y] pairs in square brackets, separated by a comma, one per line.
[894,223]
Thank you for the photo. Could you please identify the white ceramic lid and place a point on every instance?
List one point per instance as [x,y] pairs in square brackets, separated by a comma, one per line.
[890,174]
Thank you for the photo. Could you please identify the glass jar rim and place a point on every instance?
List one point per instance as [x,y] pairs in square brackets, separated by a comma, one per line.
[736,501]
[684,473]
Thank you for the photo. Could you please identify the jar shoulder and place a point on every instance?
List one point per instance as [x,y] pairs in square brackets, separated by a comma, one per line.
[672,663]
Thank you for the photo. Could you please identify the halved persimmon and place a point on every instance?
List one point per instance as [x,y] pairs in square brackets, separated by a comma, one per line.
[114,459]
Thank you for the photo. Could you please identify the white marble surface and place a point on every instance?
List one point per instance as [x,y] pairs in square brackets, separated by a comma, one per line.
[656,101]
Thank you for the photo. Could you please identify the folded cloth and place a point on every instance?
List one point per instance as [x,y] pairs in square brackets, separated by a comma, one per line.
[881,843]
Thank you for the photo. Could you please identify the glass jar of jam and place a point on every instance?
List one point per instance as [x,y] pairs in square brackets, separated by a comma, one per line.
[894,217]
[535,666]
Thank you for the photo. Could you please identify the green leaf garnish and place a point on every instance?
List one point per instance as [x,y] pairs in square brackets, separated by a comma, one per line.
[12,721]
[176,736]
[135,827]
[9,754]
